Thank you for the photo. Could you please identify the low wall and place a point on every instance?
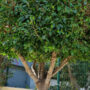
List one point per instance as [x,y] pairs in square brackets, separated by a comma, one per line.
[10,88]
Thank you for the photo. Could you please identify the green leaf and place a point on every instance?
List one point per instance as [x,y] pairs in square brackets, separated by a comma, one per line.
[58,8]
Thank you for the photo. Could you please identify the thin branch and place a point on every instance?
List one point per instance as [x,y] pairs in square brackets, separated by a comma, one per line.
[64,63]
[52,65]
[28,70]
[35,30]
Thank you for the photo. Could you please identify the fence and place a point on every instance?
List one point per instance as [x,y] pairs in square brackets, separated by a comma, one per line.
[73,77]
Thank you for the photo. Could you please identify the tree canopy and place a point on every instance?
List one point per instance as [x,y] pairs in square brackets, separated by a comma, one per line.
[36,28]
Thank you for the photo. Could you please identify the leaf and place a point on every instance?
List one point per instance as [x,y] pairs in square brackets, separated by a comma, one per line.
[43,37]
[58,8]
[37,28]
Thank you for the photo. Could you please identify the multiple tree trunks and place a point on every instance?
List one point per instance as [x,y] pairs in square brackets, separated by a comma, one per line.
[42,77]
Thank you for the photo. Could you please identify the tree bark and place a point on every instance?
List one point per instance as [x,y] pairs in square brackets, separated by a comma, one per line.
[28,70]
[50,71]
[33,67]
[63,64]
[41,71]
[41,85]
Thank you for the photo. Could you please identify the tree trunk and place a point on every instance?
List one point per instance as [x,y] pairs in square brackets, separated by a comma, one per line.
[42,86]
[42,80]
[41,71]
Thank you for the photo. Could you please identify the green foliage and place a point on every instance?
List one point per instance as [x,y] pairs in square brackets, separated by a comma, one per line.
[35,28]
[4,63]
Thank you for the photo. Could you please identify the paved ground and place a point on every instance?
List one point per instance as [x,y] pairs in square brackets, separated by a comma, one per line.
[9,88]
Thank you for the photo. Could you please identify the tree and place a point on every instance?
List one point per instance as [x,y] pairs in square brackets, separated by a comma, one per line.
[41,31]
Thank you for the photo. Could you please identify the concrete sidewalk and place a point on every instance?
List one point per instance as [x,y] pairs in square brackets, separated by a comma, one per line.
[11,88]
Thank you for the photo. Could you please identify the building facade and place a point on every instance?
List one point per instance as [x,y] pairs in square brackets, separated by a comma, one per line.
[19,77]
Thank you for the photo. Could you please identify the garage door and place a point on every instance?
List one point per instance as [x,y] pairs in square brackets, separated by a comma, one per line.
[18,79]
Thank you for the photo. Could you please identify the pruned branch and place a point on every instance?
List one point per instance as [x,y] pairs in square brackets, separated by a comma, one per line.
[52,65]
[64,63]
[33,67]
[28,70]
